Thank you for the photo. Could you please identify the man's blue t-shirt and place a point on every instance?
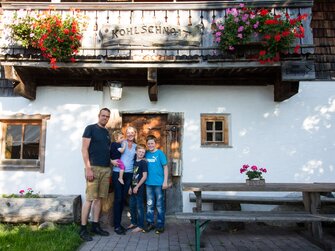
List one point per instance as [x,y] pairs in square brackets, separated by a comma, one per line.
[98,150]
[156,161]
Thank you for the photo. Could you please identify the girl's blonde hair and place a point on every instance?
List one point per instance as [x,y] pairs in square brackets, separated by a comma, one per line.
[116,134]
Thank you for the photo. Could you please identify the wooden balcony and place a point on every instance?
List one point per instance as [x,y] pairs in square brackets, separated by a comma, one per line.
[113,45]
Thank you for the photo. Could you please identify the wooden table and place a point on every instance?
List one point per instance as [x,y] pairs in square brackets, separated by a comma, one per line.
[310,192]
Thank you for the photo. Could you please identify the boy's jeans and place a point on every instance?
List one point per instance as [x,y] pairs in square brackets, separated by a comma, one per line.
[137,209]
[155,197]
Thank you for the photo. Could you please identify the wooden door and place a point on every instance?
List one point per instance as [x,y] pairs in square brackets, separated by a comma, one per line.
[147,124]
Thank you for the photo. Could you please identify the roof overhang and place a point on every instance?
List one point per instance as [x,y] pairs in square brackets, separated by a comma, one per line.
[27,77]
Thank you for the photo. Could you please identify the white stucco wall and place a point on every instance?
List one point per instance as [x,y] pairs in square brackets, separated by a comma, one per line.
[293,139]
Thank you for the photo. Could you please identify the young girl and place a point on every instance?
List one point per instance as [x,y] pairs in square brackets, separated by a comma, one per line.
[117,148]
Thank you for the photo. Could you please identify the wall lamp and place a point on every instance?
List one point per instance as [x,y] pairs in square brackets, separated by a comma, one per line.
[115,89]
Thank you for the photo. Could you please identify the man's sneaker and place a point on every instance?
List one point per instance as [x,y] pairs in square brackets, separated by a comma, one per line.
[84,235]
[99,231]
[148,228]
[159,230]
[119,231]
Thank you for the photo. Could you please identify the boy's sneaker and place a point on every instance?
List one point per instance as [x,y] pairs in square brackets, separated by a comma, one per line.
[119,231]
[97,230]
[123,228]
[84,235]
[159,230]
[149,227]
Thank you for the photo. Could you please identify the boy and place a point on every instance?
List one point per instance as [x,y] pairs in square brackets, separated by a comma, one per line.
[136,190]
[155,184]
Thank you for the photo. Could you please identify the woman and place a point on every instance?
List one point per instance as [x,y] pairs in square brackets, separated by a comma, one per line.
[120,190]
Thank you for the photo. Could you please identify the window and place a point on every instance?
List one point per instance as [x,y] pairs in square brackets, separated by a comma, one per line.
[215,130]
[23,142]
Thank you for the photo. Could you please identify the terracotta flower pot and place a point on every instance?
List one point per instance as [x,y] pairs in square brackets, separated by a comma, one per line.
[255,182]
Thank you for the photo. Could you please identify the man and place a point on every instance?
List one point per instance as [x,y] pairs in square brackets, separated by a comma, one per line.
[96,156]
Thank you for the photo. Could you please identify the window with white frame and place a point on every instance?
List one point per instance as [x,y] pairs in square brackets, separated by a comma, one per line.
[215,130]
[23,139]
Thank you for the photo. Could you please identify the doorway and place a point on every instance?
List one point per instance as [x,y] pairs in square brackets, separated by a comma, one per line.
[167,128]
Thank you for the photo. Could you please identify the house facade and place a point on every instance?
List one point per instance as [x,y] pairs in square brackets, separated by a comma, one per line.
[213,111]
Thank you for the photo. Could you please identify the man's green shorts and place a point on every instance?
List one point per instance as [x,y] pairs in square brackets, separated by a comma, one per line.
[98,188]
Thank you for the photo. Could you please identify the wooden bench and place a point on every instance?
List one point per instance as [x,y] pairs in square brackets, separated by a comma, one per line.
[262,200]
[201,219]
[311,199]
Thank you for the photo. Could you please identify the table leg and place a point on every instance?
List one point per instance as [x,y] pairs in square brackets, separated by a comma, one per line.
[198,201]
[199,228]
[197,235]
[312,203]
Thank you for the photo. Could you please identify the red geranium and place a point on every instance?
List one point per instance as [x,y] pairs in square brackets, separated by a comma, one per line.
[277,31]
[254,172]
[280,32]
[59,38]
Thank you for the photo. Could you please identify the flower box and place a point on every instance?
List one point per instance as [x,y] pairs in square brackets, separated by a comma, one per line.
[57,37]
[277,32]
[54,208]
[255,182]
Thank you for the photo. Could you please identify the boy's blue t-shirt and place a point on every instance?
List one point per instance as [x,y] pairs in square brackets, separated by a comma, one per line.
[156,161]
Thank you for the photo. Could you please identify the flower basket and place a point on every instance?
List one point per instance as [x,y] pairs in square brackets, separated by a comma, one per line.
[247,51]
[255,182]
[276,32]
[57,37]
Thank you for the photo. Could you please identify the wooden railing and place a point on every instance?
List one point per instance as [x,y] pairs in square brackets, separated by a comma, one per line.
[192,20]
[158,54]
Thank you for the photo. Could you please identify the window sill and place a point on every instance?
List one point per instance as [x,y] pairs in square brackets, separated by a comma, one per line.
[216,146]
[32,168]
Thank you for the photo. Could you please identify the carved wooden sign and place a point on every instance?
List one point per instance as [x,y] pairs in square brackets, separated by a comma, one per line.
[297,70]
[150,35]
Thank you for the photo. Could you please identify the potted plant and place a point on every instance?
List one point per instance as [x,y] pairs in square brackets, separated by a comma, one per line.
[56,36]
[254,174]
[23,194]
[276,32]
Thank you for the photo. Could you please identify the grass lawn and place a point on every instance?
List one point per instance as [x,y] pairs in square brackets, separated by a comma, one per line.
[29,237]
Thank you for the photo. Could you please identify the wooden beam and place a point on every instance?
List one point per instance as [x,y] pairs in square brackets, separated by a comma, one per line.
[117,5]
[152,84]
[23,83]
[284,89]
[298,70]
[10,73]
[98,85]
